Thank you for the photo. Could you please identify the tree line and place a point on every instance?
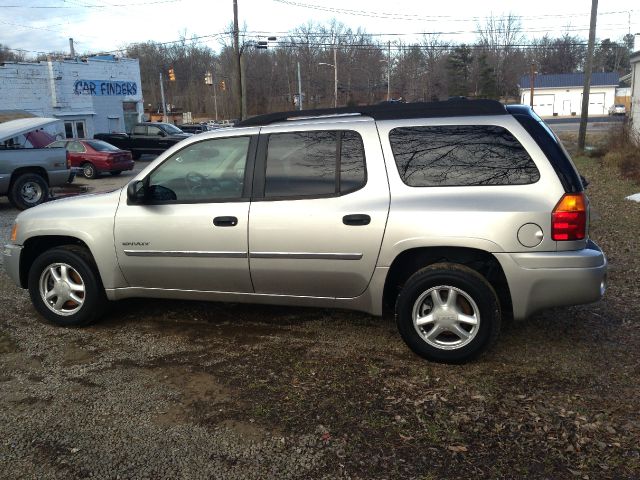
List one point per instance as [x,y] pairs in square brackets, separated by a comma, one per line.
[368,69]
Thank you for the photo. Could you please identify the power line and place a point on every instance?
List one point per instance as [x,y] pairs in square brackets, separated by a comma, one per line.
[414,17]
[77,5]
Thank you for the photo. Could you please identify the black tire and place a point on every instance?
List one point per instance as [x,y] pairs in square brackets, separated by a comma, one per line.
[116,173]
[89,170]
[81,270]
[135,155]
[463,284]
[28,190]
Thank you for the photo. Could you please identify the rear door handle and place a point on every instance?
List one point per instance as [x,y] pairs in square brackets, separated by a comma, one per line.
[356,219]
[225,221]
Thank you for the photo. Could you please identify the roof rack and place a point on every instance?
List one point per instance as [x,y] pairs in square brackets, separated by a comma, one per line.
[387,111]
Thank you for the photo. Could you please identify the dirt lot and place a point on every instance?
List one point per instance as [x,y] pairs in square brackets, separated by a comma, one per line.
[194,390]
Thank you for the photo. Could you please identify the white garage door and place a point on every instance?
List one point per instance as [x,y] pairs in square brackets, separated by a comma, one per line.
[543,105]
[596,103]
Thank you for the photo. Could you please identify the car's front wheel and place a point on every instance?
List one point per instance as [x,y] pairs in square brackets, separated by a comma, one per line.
[65,287]
[448,313]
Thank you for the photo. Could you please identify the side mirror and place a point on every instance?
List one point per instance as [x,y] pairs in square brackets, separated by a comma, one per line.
[136,192]
[162,133]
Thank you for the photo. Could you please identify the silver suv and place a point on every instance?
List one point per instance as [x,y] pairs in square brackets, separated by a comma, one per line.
[456,213]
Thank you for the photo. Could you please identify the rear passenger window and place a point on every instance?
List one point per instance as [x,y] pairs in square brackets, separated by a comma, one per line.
[461,155]
[309,164]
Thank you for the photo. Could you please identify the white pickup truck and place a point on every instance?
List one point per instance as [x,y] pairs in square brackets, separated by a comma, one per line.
[27,170]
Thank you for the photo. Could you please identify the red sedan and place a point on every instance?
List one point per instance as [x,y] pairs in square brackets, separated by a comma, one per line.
[95,156]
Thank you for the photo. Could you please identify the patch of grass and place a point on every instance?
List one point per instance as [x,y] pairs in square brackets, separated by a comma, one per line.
[623,152]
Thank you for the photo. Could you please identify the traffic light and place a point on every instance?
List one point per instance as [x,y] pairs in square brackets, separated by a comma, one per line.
[223,86]
[172,75]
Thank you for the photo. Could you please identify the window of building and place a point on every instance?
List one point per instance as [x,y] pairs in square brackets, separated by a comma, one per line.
[318,163]
[74,129]
[456,155]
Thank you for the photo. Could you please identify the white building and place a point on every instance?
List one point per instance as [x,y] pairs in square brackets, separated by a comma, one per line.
[635,93]
[90,95]
[561,94]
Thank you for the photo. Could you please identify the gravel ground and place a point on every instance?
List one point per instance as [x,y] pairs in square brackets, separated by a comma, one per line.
[168,389]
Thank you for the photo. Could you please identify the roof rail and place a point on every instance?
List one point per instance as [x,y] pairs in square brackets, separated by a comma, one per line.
[388,111]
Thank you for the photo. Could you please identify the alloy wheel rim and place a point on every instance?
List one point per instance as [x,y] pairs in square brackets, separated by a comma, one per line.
[62,289]
[31,192]
[446,317]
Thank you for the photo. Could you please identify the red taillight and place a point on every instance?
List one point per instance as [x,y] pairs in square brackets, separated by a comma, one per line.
[569,218]
[68,161]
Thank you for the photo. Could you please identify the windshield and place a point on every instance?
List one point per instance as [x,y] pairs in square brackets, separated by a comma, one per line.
[100,146]
[167,127]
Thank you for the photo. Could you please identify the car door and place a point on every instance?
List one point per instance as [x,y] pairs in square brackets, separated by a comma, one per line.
[190,230]
[156,139]
[138,138]
[319,210]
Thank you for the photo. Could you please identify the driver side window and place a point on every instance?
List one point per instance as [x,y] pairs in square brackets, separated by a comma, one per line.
[202,172]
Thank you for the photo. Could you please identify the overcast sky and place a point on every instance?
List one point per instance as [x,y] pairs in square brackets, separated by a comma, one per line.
[46,25]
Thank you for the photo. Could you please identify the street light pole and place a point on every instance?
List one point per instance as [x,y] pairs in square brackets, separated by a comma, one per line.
[388,70]
[164,104]
[335,76]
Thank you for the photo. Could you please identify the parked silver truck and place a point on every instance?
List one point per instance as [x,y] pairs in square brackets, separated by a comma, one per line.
[456,214]
[27,169]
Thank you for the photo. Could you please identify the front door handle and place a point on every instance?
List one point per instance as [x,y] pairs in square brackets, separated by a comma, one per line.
[225,221]
[356,219]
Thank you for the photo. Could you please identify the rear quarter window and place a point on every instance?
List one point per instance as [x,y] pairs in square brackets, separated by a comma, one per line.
[461,155]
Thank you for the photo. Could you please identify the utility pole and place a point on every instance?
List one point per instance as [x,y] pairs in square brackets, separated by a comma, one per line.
[164,104]
[299,89]
[243,113]
[532,79]
[582,133]
[238,53]
[388,70]
[215,95]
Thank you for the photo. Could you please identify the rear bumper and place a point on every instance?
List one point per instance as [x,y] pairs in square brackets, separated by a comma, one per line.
[122,166]
[11,259]
[554,279]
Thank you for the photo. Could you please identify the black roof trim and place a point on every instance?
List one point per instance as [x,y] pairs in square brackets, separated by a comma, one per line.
[389,111]
[550,146]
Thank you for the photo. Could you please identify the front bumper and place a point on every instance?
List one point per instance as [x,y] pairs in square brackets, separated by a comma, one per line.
[11,258]
[554,279]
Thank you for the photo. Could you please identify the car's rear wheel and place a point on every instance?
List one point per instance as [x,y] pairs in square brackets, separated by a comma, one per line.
[28,190]
[65,287]
[448,313]
[89,170]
